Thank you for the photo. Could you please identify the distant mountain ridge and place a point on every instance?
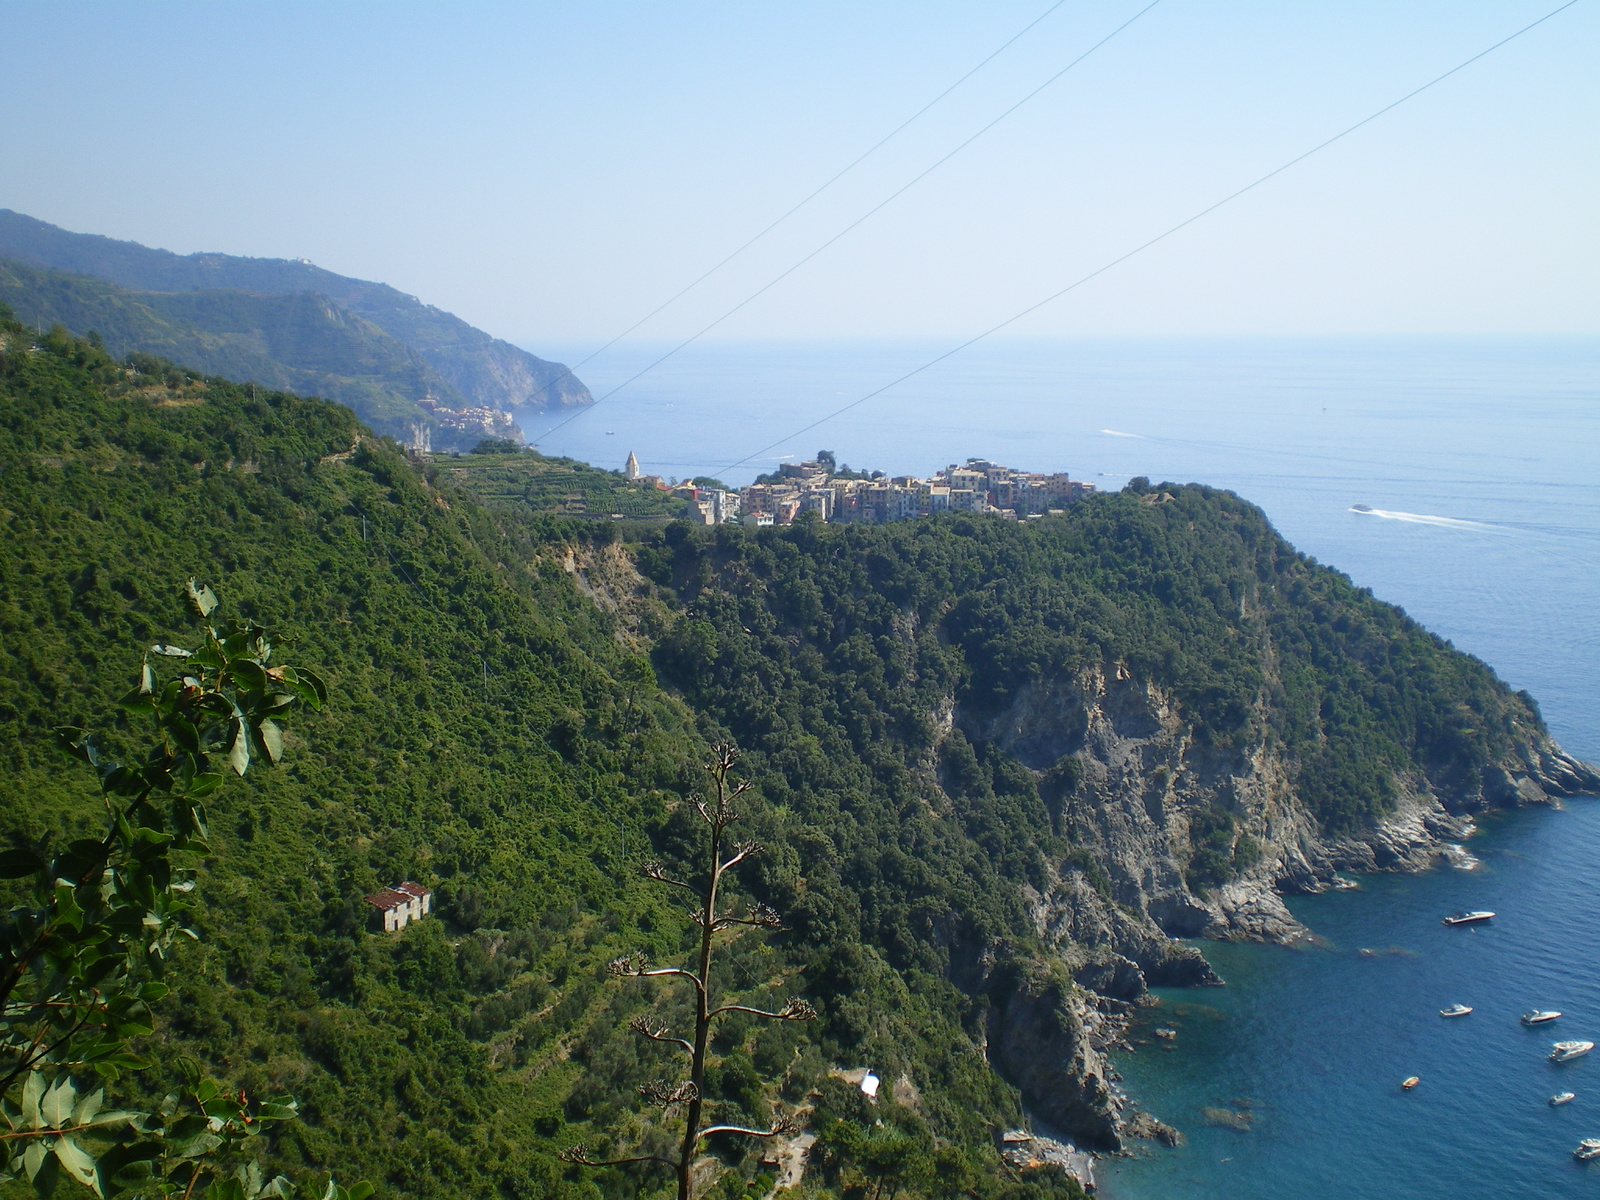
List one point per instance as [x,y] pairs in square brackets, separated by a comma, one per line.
[460,365]
[302,342]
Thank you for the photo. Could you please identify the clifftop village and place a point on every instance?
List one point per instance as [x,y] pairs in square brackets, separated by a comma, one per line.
[818,486]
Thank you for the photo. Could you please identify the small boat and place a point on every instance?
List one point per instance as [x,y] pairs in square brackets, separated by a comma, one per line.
[1567,1051]
[1455,1010]
[1407,1084]
[1467,918]
[1361,508]
[1587,1149]
[1561,1098]
[1539,1016]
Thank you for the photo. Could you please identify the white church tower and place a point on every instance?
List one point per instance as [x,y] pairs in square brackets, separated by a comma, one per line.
[631,471]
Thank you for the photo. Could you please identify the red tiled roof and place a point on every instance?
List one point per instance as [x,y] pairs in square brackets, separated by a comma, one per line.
[393,897]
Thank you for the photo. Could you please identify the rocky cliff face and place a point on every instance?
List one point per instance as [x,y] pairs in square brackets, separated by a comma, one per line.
[1043,1038]
[1140,780]
[1130,781]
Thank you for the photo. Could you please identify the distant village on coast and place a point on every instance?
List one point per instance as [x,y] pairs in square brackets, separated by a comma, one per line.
[820,486]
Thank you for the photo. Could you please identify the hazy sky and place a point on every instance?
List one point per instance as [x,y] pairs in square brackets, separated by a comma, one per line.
[552,172]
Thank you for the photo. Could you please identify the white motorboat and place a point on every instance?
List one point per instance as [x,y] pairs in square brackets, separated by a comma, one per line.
[1539,1017]
[1587,1149]
[1561,1098]
[1455,1010]
[1567,1051]
[1467,918]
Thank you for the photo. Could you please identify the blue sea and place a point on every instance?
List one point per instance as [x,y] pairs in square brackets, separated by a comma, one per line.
[1480,459]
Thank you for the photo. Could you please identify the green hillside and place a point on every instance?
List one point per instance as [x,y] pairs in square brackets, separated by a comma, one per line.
[519,700]
[854,635]
[515,481]
[488,729]
[299,342]
[484,369]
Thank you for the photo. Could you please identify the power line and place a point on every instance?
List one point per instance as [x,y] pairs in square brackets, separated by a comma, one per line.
[852,165]
[898,192]
[1160,237]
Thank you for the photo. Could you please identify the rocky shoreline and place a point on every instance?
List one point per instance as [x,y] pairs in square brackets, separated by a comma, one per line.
[1142,777]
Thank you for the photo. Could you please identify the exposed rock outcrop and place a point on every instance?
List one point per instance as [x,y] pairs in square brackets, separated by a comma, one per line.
[1041,1029]
[1129,780]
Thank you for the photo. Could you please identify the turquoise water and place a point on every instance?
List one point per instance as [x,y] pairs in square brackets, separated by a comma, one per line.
[1485,457]
[1313,1043]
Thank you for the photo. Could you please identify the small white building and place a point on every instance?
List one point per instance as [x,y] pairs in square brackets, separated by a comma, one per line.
[398,906]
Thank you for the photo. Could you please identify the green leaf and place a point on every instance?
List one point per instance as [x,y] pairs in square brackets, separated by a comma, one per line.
[126,1167]
[360,1191]
[32,1093]
[250,1176]
[88,1106]
[239,753]
[223,1107]
[271,739]
[313,691]
[204,785]
[279,1110]
[19,862]
[202,597]
[57,1104]
[67,910]
[78,1163]
[41,1167]
[113,1116]
[77,743]
[184,733]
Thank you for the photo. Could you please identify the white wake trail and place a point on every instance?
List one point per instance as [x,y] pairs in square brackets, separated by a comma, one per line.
[1425,519]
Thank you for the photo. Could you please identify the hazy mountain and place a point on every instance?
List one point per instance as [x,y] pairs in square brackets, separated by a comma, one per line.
[301,342]
[483,369]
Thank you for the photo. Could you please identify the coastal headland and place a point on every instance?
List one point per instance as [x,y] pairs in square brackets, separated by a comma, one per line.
[1000,767]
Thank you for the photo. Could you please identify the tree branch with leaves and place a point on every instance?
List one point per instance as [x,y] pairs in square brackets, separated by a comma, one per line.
[718,812]
[83,956]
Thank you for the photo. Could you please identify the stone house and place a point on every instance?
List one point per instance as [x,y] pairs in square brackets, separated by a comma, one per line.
[396,907]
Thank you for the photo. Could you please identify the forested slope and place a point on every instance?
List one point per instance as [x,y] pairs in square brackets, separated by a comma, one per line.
[518,702]
[297,342]
[487,732]
[1153,693]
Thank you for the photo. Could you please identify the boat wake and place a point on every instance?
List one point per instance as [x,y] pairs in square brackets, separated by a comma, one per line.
[1119,433]
[1423,519]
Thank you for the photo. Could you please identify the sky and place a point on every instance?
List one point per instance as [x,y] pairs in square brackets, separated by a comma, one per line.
[552,173]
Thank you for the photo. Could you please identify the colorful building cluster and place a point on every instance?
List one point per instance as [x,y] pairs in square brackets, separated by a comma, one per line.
[980,486]
[490,422]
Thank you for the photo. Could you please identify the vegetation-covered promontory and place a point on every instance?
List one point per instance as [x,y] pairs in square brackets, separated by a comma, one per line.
[995,765]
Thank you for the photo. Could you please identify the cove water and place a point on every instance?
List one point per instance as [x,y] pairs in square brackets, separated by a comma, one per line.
[1481,462]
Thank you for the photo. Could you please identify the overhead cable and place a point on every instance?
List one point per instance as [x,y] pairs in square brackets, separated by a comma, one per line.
[1143,246]
[896,194]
